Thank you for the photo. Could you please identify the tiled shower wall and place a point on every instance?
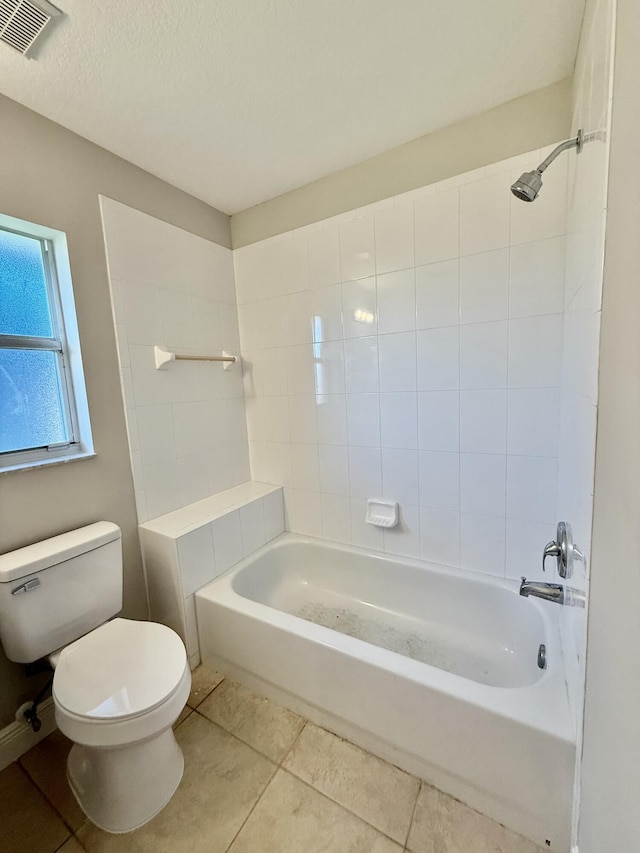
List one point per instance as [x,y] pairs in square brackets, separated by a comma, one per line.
[186,423]
[586,215]
[411,350]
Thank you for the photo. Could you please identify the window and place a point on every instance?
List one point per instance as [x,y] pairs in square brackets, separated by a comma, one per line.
[43,407]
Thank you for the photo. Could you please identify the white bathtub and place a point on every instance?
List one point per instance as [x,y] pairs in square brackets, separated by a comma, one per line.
[431,668]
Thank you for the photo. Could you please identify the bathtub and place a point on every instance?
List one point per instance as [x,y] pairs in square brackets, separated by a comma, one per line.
[433,669]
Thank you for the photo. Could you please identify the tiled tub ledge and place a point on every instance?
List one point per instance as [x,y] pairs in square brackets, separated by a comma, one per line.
[186,549]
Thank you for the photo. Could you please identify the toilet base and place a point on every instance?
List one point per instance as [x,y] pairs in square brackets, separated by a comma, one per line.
[122,788]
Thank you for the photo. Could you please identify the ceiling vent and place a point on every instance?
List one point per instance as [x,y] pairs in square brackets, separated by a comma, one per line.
[22,21]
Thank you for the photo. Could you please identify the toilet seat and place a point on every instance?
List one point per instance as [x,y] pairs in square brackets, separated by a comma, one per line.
[122,682]
[120,670]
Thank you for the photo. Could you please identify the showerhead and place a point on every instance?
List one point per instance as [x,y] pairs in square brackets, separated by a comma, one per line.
[528,185]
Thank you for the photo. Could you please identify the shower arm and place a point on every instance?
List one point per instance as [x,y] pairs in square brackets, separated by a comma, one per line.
[576,142]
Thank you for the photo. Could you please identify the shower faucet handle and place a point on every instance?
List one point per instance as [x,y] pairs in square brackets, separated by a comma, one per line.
[551,549]
[563,549]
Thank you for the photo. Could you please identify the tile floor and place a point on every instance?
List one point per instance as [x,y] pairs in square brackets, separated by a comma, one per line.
[258,779]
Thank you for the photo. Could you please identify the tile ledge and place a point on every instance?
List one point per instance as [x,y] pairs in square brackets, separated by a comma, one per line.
[184,520]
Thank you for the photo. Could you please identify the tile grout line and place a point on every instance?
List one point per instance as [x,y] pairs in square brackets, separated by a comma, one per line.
[413,814]
[342,805]
[47,800]
[278,767]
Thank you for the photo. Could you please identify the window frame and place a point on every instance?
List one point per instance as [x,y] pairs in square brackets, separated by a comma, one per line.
[64,343]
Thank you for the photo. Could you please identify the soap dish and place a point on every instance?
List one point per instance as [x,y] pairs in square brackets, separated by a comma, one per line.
[382,513]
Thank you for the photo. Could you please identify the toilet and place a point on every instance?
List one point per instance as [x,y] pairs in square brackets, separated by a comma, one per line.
[118,685]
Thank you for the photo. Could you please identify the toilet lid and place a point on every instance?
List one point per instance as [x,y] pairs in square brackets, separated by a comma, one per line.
[122,669]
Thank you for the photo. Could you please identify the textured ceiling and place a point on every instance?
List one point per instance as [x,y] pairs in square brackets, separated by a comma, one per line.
[237,101]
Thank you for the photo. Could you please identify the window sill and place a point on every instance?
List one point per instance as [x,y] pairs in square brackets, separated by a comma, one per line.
[46,463]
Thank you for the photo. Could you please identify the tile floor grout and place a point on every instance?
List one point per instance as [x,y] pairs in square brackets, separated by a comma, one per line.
[280,766]
[276,767]
[44,795]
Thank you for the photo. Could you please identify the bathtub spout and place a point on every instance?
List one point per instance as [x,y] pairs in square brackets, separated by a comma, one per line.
[553,592]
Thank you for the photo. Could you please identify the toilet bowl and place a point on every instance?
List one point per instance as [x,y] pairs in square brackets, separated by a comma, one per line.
[117,692]
[118,685]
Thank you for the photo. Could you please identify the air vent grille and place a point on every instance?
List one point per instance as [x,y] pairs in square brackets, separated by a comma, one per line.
[21,22]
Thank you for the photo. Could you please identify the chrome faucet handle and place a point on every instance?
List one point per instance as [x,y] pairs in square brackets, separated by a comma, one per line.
[551,549]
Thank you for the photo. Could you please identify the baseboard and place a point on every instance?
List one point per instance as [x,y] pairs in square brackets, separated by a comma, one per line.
[18,738]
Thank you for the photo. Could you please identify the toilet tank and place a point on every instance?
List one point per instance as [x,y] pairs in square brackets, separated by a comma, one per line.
[57,590]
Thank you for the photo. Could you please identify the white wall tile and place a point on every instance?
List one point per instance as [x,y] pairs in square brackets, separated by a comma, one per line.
[191,627]
[404,539]
[357,248]
[363,420]
[326,313]
[227,540]
[482,543]
[484,215]
[394,238]
[196,560]
[252,527]
[328,367]
[400,480]
[155,433]
[483,483]
[438,359]
[483,421]
[141,313]
[308,513]
[304,460]
[483,355]
[302,420]
[331,414]
[399,420]
[362,534]
[437,295]
[484,287]
[439,480]
[537,278]
[532,425]
[359,308]
[336,518]
[437,227]
[162,487]
[396,301]
[178,291]
[324,257]
[525,543]
[273,515]
[535,351]
[365,472]
[296,318]
[473,318]
[440,536]
[361,365]
[531,488]
[439,420]
[300,369]
[177,319]
[333,462]
[397,361]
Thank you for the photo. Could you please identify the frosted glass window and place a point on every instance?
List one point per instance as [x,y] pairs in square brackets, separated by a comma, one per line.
[31,400]
[38,407]
[24,309]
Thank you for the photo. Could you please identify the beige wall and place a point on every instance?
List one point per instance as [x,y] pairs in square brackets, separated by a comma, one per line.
[609,816]
[50,176]
[532,121]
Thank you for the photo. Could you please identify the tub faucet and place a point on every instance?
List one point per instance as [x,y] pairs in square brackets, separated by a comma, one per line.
[553,592]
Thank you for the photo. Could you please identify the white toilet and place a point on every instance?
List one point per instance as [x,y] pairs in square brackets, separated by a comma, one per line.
[118,686]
